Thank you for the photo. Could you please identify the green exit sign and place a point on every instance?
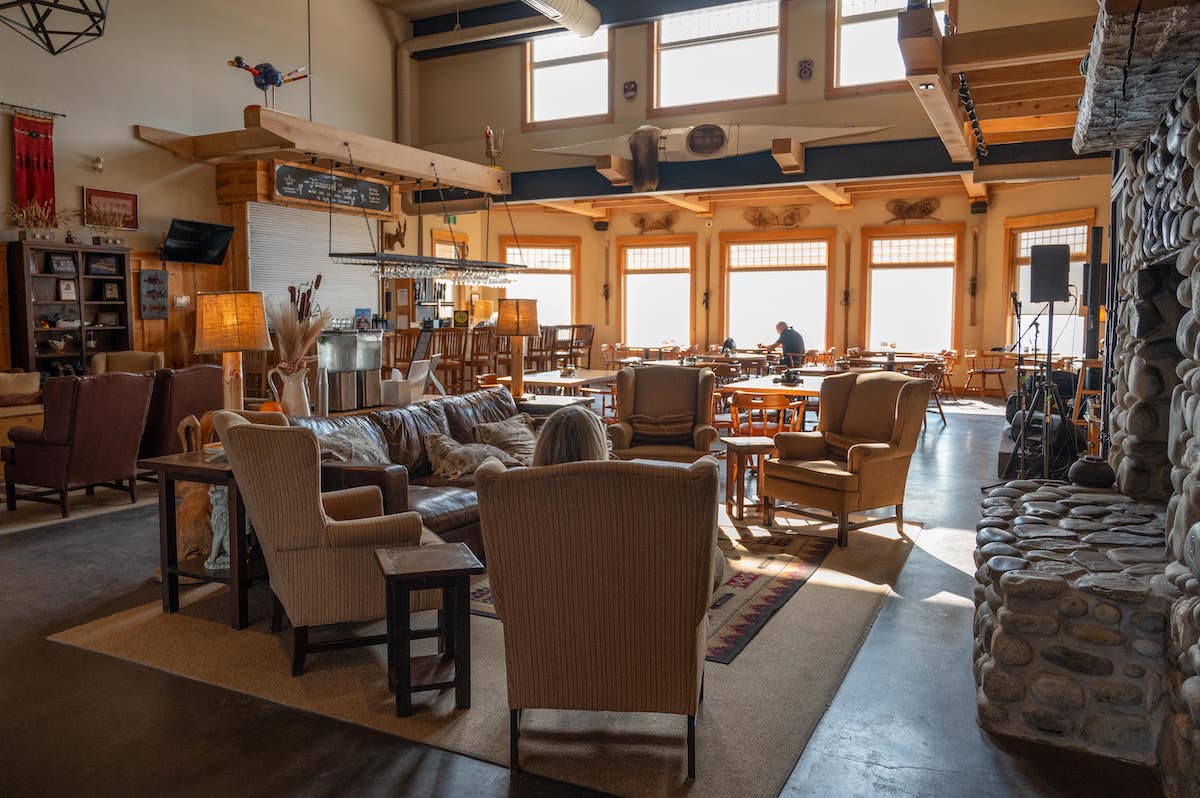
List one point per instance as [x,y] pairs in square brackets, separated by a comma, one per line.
[451,220]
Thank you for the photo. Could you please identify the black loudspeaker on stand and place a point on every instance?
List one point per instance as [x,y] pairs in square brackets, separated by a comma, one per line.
[1049,282]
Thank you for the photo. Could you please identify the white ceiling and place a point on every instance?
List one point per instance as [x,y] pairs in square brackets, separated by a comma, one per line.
[419,9]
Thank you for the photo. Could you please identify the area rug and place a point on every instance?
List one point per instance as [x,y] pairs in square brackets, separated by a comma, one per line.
[757,715]
[31,515]
[761,573]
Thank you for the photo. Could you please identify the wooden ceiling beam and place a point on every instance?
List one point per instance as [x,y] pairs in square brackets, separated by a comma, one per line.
[1041,170]
[1018,45]
[1019,136]
[1028,108]
[921,44]
[1017,124]
[577,208]
[978,192]
[835,194]
[688,204]
[789,154]
[1024,92]
[1006,76]
[618,170]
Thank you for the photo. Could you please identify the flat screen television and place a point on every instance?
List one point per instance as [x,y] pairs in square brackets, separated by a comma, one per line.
[196,242]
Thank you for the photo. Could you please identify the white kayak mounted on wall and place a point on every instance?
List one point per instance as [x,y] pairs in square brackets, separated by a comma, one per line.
[713,140]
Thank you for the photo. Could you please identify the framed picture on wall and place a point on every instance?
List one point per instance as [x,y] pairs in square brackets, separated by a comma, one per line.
[66,291]
[100,205]
[103,265]
[112,291]
[61,263]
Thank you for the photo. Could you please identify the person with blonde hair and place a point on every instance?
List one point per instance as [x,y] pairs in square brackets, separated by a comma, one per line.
[570,435]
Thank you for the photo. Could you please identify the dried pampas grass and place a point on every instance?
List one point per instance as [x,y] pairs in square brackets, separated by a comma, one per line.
[295,336]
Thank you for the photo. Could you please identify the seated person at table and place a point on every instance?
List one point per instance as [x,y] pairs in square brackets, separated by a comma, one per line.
[792,343]
[570,435]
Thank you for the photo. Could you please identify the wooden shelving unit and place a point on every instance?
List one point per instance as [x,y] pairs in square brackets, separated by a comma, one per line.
[38,294]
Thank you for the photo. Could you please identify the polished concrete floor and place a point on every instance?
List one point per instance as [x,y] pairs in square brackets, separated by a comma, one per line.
[74,722]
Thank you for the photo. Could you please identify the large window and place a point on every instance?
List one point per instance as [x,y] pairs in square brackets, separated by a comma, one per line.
[656,290]
[865,43]
[1072,228]
[721,54]
[567,79]
[774,277]
[549,277]
[911,281]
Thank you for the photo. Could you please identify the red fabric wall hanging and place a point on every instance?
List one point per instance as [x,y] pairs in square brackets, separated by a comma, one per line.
[33,159]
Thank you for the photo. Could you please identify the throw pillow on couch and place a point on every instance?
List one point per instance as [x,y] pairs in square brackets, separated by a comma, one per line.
[515,436]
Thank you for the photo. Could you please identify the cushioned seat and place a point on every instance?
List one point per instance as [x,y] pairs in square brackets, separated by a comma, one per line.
[664,412]
[822,473]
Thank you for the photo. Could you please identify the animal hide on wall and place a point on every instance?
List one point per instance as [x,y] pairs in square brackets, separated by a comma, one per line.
[903,211]
[643,146]
[651,224]
[766,219]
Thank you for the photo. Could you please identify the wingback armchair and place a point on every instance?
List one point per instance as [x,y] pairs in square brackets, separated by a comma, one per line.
[319,548]
[90,436]
[858,457]
[178,393]
[566,545]
[664,412]
[129,361]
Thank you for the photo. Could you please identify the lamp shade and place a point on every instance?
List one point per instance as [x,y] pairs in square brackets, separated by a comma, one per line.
[483,308]
[518,317]
[231,321]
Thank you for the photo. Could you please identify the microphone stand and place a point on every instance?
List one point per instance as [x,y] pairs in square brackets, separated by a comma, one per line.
[1020,382]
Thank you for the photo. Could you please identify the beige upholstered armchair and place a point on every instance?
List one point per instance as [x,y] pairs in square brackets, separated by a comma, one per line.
[129,361]
[858,457]
[567,546]
[319,548]
[664,412]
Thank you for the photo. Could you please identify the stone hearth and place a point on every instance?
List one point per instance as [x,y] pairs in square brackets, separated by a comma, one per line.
[1071,618]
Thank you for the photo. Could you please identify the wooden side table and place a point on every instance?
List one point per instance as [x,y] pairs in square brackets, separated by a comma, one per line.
[738,449]
[448,566]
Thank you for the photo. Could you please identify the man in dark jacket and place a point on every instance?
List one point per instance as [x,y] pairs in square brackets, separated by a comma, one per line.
[792,343]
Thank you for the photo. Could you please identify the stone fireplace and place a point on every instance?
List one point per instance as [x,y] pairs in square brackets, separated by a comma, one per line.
[1088,603]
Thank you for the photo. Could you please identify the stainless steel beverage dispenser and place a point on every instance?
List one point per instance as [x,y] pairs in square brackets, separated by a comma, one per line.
[351,360]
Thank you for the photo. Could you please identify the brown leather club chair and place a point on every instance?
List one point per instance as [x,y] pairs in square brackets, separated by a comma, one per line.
[858,457]
[93,427]
[178,393]
[664,412]
[319,548]
[130,361]
[644,530]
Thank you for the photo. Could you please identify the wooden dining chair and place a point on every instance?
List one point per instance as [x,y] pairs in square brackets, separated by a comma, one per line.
[990,364]
[950,361]
[608,356]
[486,380]
[541,349]
[722,416]
[766,414]
[403,348]
[582,336]
[451,344]
[503,358]
[482,356]
[935,373]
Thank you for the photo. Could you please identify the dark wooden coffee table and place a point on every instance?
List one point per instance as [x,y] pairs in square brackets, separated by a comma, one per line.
[544,404]
[448,566]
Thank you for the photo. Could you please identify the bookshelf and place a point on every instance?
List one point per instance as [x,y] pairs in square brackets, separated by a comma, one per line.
[74,295]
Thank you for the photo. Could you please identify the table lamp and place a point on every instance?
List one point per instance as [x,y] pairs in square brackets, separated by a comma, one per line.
[229,323]
[518,320]
[482,309]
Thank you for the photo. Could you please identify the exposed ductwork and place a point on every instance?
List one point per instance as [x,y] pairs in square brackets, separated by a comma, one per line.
[577,16]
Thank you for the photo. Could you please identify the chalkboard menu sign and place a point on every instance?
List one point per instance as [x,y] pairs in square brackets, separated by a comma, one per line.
[296,182]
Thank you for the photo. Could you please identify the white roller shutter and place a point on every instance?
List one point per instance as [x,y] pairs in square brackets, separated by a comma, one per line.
[291,245]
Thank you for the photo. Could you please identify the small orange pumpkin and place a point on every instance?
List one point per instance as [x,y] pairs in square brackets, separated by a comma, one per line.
[271,407]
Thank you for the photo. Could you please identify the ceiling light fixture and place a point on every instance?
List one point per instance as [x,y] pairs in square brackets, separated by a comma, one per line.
[56,25]
[925,86]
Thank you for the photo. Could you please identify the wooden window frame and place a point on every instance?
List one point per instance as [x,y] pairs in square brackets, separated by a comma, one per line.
[638,242]
[832,33]
[958,230]
[574,243]
[460,241]
[527,122]
[654,110]
[1015,225]
[826,234]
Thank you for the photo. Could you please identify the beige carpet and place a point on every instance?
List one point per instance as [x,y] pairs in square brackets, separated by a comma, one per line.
[757,714]
[31,515]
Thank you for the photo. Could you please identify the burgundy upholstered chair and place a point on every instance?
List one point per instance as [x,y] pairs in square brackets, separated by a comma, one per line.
[178,393]
[93,427]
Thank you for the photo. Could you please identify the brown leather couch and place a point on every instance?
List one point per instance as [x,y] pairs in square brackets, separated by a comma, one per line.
[178,393]
[449,508]
[90,436]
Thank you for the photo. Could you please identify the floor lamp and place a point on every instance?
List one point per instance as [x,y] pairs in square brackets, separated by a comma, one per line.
[517,319]
[229,323]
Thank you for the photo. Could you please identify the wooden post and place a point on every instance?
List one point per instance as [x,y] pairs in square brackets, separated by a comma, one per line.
[518,366]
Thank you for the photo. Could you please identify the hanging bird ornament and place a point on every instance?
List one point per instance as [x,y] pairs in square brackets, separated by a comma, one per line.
[267,76]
